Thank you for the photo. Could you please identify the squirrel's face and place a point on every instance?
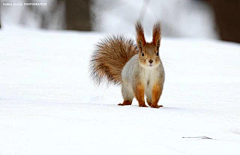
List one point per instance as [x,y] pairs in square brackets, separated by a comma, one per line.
[149,52]
[149,55]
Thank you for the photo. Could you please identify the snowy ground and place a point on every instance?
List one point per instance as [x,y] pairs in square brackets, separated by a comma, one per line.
[49,105]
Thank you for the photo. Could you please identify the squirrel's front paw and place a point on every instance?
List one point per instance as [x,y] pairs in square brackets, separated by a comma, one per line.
[156,106]
[142,105]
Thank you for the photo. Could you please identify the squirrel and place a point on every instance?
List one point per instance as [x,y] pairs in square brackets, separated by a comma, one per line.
[137,67]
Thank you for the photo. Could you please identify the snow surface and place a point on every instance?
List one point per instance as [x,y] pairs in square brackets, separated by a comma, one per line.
[49,105]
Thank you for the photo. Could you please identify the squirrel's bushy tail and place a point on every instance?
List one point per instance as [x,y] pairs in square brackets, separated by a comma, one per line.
[110,57]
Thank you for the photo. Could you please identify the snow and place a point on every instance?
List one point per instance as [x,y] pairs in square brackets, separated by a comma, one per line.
[49,104]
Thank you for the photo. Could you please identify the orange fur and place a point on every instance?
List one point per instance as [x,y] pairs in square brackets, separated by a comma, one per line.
[110,57]
[113,53]
[156,93]
[139,94]
[126,102]
[156,34]
[140,36]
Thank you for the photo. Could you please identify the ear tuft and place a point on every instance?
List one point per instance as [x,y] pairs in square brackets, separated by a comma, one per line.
[140,36]
[157,34]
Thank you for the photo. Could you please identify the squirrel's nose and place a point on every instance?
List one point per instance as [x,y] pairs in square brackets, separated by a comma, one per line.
[150,61]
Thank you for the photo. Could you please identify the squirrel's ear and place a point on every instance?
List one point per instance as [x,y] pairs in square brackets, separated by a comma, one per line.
[157,35]
[140,36]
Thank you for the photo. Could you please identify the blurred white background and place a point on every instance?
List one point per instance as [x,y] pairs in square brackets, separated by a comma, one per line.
[210,19]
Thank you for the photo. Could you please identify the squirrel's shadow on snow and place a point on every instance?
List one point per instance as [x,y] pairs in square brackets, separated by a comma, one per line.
[165,108]
[175,108]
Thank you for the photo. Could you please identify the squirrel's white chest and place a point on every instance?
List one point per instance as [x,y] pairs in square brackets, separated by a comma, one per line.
[149,77]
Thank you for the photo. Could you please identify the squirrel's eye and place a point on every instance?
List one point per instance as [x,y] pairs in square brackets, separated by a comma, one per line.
[143,54]
[157,54]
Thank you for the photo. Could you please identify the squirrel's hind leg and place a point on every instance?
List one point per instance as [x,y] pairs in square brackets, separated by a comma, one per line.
[148,93]
[125,102]
[149,101]
[127,94]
